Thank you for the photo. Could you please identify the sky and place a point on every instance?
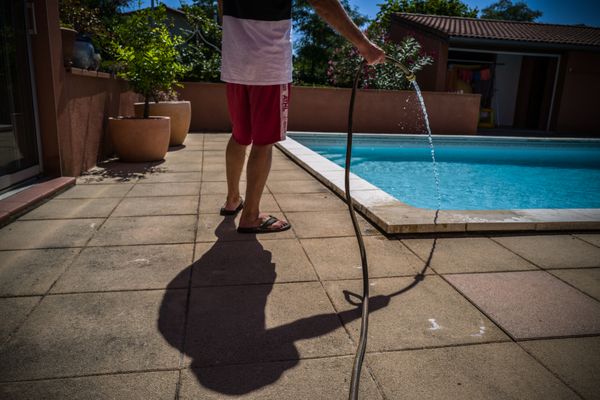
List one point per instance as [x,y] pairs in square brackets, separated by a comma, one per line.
[554,11]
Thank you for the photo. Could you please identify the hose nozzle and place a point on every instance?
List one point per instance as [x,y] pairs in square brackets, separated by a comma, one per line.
[409,75]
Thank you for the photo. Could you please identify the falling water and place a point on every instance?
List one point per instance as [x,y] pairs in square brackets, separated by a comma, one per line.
[435,170]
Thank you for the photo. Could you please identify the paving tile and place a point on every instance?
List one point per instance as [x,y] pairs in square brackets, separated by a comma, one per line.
[590,238]
[322,379]
[184,155]
[327,224]
[495,371]
[212,203]
[165,177]
[587,280]
[452,255]
[73,208]
[310,202]
[95,191]
[144,386]
[217,176]
[180,166]
[116,172]
[146,230]
[47,233]
[560,251]
[128,268]
[166,189]
[159,205]
[243,324]
[213,227]
[425,313]
[221,188]
[531,304]
[339,258]
[297,174]
[295,186]
[93,333]
[575,360]
[31,272]
[13,311]
[251,261]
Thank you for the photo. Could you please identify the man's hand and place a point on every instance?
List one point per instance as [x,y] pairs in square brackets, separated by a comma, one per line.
[372,53]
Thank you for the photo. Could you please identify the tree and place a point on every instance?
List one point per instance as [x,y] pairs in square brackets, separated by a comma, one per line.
[451,8]
[316,42]
[507,10]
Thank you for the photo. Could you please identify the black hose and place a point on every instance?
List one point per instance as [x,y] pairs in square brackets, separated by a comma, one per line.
[364,325]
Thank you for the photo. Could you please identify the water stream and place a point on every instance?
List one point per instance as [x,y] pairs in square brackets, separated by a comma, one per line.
[434,164]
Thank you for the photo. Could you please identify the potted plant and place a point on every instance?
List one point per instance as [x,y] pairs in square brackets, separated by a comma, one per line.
[150,62]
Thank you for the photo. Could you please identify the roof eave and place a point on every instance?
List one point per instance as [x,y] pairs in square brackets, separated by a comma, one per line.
[521,44]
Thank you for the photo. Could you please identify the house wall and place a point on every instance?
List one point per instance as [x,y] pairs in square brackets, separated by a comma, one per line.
[326,110]
[577,106]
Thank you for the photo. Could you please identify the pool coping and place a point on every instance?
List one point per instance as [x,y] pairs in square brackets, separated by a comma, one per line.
[393,216]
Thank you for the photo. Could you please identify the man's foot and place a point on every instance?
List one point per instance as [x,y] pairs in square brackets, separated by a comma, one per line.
[265,224]
[232,209]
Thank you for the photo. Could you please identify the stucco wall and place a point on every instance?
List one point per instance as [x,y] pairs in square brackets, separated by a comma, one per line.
[326,110]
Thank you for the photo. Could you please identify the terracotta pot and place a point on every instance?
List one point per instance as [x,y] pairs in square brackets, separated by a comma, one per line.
[180,113]
[140,139]
[68,36]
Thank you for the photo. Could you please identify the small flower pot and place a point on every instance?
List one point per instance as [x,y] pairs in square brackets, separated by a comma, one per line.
[140,139]
[68,36]
[180,113]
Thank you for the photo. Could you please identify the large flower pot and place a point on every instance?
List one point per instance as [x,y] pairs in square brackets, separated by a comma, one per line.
[140,139]
[180,113]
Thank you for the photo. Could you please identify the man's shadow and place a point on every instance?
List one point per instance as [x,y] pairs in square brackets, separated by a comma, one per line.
[226,324]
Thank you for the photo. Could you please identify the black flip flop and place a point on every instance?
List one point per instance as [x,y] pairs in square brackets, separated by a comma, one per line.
[265,227]
[225,211]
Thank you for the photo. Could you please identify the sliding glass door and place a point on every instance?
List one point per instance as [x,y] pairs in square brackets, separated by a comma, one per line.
[19,152]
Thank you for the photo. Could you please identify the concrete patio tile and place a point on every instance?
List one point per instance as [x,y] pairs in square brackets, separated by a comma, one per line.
[246,262]
[146,230]
[31,272]
[531,304]
[590,238]
[339,258]
[212,164]
[171,177]
[320,379]
[575,360]
[213,227]
[297,174]
[96,191]
[484,372]
[310,202]
[94,333]
[13,311]
[217,176]
[136,386]
[128,268]
[220,145]
[426,313]
[295,186]
[255,323]
[212,203]
[453,255]
[159,205]
[555,251]
[587,280]
[221,188]
[47,233]
[184,155]
[166,189]
[327,224]
[72,208]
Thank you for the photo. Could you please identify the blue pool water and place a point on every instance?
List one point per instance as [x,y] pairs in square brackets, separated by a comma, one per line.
[475,173]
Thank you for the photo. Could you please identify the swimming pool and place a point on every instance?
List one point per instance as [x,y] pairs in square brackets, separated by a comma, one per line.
[476,173]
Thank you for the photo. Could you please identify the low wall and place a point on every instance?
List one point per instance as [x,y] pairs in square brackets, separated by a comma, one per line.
[86,101]
[326,110]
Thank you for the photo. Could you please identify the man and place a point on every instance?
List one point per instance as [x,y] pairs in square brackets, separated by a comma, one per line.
[257,66]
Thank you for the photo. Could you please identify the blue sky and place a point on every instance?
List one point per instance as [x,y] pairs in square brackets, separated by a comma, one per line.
[555,11]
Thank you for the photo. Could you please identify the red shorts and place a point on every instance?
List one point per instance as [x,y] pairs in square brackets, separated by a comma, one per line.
[259,114]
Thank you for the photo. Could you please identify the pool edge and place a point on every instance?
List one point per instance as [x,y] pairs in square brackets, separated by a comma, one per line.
[394,217]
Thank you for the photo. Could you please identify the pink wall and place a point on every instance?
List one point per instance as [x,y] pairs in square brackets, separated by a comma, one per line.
[326,109]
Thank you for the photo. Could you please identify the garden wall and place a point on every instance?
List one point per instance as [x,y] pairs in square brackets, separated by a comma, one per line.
[326,110]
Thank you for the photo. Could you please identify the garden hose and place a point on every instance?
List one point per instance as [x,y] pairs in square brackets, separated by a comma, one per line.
[364,327]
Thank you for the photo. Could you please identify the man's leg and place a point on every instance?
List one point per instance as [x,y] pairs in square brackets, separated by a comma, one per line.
[259,166]
[235,155]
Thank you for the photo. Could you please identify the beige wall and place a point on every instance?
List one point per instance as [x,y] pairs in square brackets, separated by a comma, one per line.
[326,109]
